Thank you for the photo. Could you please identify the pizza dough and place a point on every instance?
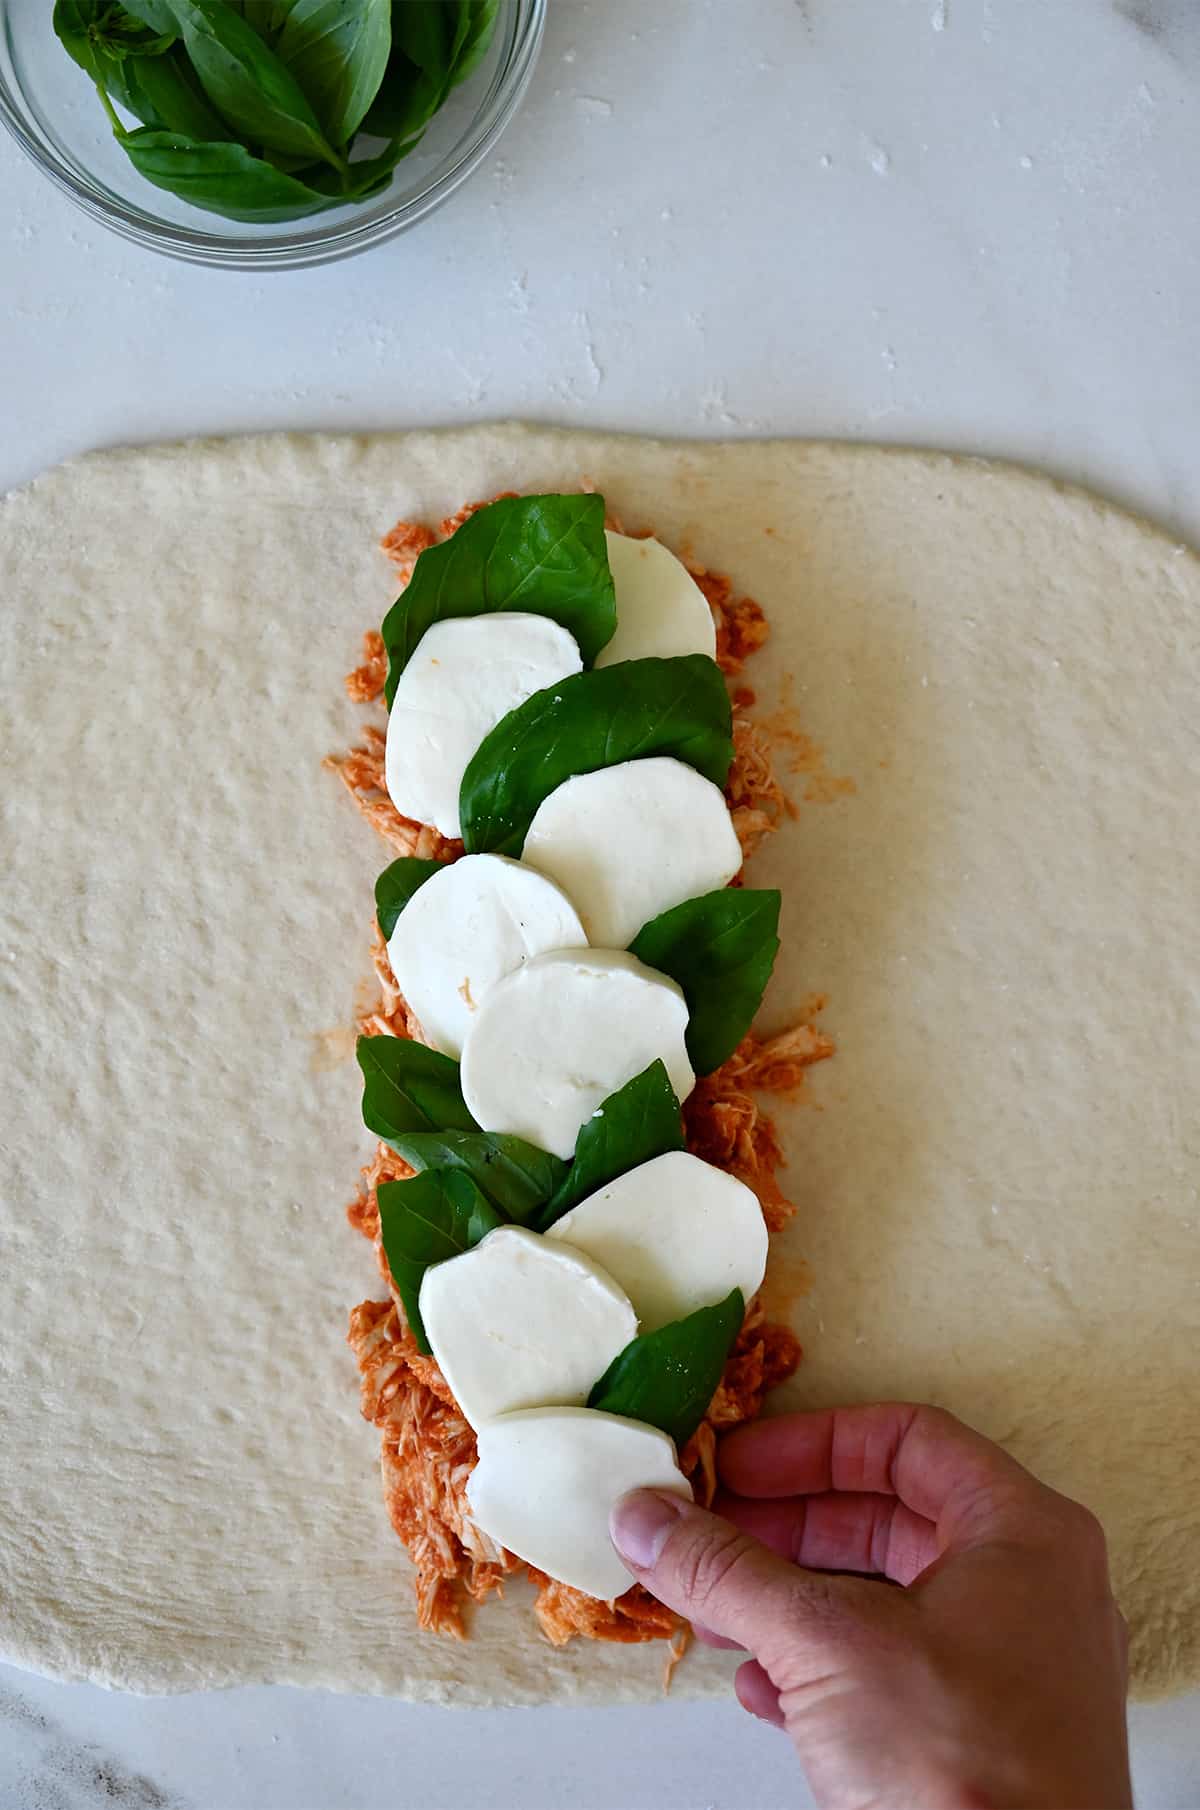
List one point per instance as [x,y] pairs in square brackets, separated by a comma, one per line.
[997,1176]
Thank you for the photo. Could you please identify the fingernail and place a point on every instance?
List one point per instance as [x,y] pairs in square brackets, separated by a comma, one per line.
[639,1525]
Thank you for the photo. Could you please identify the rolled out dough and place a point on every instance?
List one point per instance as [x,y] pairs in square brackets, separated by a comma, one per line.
[997,1176]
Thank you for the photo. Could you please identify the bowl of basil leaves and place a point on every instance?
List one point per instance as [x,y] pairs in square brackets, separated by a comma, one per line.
[262,134]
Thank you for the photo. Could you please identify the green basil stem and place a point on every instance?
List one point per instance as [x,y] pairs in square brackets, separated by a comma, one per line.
[114,121]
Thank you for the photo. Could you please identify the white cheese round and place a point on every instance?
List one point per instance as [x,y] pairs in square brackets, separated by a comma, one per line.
[551,1041]
[465,929]
[661,610]
[629,841]
[676,1234]
[546,1483]
[464,675]
[513,1325]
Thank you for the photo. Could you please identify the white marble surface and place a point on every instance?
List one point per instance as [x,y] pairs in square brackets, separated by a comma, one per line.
[969,223]
[68,1747]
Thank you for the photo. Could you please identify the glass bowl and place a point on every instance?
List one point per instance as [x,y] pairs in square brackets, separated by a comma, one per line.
[54,113]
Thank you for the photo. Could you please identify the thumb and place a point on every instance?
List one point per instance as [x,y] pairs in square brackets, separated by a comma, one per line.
[701,1566]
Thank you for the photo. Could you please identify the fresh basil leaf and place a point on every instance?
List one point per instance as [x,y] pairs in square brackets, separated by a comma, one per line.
[678,707]
[72,21]
[417,76]
[121,82]
[338,51]
[364,176]
[247,82]
[158,14]
[423,29]
[515,1176]
[75,26]
[268,17]
[459,12]
[368,175]
[480,24]
[303,169]
[164,92]
[396,886]
[123,35]
[107,42]
[407,1087]
[221,178]
[405,105]
[407,100]
[148,75]
[720,949]
[426,1220]
[640,1121]
[545,554]
[667,1378]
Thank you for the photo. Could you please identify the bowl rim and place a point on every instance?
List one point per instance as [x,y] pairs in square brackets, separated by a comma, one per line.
[316,245]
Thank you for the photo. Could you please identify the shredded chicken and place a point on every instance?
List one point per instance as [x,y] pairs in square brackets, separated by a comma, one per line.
[391,1015]
[404,545]
[756,800]
[741,626]
[361,772]
[565,1613]
[366,682]
[428,1448]
[722,1117]
[428,1454]
[363,1211]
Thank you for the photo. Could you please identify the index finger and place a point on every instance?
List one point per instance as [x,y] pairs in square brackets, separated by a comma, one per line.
[934,1464]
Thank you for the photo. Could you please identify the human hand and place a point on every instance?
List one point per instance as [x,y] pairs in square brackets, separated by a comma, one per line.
[994,1677]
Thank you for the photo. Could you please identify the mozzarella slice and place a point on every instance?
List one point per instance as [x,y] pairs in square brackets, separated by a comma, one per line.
[675,1233]
[464,675]
[465,929]
[547,1480]
[632,840]
[660,607]
[552,1041]
[517,1322]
